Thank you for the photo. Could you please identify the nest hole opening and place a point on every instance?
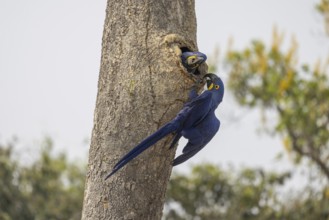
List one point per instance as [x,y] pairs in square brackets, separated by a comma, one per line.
[185,49]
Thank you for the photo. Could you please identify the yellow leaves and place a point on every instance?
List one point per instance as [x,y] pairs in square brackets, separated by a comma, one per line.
[323,6]
[277,40]
[247,53]
[290,57]
[288,148]
[262,64]
[317,68]
[286,82]
[287,144]
[258,58]
[326,192]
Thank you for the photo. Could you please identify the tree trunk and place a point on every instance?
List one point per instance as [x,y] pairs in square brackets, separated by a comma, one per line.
[141,86]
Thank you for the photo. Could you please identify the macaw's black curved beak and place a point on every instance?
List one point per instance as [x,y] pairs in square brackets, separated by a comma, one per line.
[196,59]
[210,77]
[200,58]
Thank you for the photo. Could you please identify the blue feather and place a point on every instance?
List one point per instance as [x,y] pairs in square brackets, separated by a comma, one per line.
[196,122]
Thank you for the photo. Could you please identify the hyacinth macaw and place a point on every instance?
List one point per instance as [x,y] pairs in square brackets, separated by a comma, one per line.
[192,60]
[196,122]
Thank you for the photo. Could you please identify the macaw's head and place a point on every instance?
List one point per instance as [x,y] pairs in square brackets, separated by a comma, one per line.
[192,60]
[215,85]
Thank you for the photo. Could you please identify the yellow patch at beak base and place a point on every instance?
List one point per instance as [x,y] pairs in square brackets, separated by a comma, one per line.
[211,86]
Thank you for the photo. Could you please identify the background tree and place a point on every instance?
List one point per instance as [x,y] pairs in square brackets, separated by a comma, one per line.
[142,85]
[270,79]
[323,9]
[13,203]
[210,192]
[54,184]
[50,187]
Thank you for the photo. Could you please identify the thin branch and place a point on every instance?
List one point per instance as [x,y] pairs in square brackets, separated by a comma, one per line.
[309,154]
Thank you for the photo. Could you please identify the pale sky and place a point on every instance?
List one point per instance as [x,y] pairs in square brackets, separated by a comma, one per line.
[50,58]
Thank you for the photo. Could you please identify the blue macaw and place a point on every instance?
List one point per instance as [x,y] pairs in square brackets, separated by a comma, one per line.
[196,122]
[192,60]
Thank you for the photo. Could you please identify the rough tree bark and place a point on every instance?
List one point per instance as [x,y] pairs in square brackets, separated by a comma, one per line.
[142,85]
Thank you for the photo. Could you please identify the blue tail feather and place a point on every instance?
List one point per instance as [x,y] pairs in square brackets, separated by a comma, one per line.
[146,143]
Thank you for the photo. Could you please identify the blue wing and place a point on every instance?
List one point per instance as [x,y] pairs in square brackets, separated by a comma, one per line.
[198,138]
[196,141]
[198,108]
[198,135]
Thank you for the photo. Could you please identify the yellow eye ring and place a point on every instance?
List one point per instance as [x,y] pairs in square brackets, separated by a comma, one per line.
[216,87]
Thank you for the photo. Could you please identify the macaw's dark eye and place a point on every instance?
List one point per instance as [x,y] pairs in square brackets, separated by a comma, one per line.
[191,60]
[216,87]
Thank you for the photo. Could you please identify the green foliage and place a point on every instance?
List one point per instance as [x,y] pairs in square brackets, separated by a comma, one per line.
[260,76]
[50,188]
[210,192]
[269,78]
[200,196]
[13,203]
[323,8]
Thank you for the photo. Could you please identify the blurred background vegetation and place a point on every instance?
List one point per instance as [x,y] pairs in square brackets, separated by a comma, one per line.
[293,97]
[51,187]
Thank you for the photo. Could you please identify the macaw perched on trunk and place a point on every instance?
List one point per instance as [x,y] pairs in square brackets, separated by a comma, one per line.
[192,60]
[196,122]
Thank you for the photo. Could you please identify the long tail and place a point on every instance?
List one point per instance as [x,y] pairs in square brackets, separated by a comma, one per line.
[146,143]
